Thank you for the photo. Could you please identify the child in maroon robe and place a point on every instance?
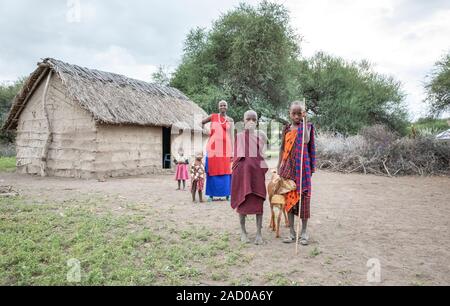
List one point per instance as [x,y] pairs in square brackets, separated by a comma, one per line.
[248,188]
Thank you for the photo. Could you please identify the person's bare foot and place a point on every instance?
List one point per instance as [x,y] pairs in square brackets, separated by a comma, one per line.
[259,240]
[244,238]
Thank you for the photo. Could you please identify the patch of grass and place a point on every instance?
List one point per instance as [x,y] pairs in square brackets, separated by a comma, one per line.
[417,283]
[314,252]
[279,279]
[39,240]
[220,276]
[345,273]
[329,261]
[7,164]
[246,281]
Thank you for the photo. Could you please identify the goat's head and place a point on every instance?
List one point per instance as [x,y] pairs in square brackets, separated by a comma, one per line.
[276,180]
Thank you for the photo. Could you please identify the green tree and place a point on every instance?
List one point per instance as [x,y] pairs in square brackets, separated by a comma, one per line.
[7,94]
[347,96]
[161,76]
[251,58]
[246,59]
[438,87]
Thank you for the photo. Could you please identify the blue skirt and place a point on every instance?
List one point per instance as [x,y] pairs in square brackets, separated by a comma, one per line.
[217,186]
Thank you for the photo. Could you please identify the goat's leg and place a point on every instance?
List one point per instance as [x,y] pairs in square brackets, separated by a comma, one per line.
[272,220]
[286,220]
[270,223]
[278,222]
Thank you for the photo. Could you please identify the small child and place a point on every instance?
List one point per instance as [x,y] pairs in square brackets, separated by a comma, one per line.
[182,169]
[197,177]
[248,188]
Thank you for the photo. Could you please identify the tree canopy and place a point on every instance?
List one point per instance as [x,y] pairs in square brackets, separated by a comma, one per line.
[251,58]
[161,76]
[246,58]
[7,94]
[347,96]
[438,87]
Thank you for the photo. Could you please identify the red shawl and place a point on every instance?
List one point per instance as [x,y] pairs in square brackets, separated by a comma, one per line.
[249,168]
[219,147]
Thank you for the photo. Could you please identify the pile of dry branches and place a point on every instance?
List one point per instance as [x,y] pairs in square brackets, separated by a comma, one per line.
[377,150]
[7,191]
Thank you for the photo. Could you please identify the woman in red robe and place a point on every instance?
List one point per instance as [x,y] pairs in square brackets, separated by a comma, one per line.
[219,154]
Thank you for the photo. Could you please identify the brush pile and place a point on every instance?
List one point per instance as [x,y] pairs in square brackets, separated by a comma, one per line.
[377,150]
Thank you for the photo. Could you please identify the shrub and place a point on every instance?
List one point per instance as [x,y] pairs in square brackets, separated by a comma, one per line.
[380,151]
[7,149]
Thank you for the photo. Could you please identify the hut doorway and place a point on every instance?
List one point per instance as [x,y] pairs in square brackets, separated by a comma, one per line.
[166,141]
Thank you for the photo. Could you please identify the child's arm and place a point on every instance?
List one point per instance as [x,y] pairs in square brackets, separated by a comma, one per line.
[192,169]
[312,149]
[280,156]
[262,140]
[202,171]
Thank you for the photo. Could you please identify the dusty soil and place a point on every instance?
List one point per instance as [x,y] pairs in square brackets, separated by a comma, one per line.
[403,222]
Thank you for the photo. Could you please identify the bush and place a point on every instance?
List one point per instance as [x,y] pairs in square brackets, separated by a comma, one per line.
[7,150]
[380,151]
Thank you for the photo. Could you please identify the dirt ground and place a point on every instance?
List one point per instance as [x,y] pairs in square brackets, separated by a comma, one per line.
[402,222]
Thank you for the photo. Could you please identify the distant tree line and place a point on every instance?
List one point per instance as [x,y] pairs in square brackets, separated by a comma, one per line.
[251,58]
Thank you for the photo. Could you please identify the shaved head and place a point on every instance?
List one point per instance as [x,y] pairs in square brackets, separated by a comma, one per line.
[298,105]
[250,113]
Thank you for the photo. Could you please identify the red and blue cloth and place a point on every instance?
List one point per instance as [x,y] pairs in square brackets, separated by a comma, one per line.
[309,160]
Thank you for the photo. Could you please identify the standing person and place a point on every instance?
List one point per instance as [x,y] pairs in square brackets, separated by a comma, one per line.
[249,173]
[197,177]
[289,168]
[219,153]
[181,174]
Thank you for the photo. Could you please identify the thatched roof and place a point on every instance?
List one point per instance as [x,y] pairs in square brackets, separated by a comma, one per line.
[112,98]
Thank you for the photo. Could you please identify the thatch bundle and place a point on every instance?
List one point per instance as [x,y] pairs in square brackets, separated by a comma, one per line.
[113,98]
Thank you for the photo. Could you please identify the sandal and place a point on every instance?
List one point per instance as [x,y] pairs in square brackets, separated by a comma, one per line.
[289,240]
[304,241]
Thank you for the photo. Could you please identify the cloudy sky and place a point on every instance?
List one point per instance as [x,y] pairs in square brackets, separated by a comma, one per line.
[402,38]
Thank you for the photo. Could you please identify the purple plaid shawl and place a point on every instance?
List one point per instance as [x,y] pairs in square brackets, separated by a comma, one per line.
[290,169]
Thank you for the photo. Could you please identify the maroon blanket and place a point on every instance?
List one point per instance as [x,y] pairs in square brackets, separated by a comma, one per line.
[249,168]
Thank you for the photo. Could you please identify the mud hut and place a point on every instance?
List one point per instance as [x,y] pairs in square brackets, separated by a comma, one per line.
[84,123]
